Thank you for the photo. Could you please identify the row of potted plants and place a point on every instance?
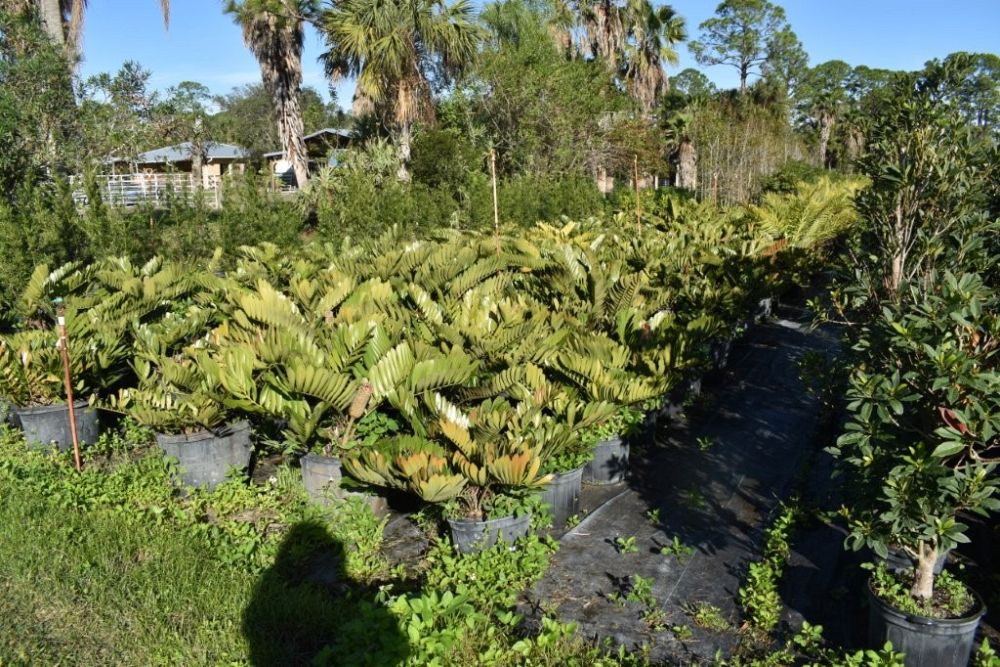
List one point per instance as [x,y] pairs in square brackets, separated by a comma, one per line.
[463,376]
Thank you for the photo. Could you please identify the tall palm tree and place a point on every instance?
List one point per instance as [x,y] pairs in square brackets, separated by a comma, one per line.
[604,24]
[653,32]
[398,50]
[273,31]
[63,22]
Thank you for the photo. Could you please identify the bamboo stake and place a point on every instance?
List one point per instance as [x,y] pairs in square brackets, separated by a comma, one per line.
[68,379]
[496,205]
[638,201]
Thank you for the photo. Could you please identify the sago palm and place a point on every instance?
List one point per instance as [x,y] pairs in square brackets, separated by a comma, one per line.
[398,50]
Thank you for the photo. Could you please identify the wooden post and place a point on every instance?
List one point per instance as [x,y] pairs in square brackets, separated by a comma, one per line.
[496,205]
[67,377]
[638,201]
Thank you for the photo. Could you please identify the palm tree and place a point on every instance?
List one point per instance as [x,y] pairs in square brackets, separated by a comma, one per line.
[652,32]
[397,50]
[63,22]
[273,31]
[604,23]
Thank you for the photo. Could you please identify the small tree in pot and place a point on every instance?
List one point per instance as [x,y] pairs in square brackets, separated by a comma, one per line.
[924,434]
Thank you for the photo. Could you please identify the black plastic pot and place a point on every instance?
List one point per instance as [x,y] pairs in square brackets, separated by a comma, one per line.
[205,458]
[7,414]
[693,387]
[610,463]
[899,561]
[926,642]
[562,495]
[49,425]
[471,536]
[321,476]
[720,350]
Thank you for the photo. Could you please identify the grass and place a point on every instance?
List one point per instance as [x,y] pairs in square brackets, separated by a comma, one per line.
[112,568]
[72,585]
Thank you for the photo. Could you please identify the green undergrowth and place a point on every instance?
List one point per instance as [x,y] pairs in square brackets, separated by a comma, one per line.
[114,566]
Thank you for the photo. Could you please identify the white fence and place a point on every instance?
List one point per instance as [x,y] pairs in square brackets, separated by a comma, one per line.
[150,189]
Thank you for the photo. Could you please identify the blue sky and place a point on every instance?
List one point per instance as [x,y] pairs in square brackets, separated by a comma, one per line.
[204,45]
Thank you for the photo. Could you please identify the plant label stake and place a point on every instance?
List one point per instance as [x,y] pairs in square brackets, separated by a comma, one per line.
[496,206]
[638,202]
[64,347]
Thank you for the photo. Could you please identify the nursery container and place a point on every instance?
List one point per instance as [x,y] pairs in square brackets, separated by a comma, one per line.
[765,308]
[321,476]
[562,495]
[205,458]
[899,561]
[926,642]
[48,425]
[471,536]
[610,463]
[720,350]
[7,414]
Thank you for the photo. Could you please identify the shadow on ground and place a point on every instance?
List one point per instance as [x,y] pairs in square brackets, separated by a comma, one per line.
[306,610]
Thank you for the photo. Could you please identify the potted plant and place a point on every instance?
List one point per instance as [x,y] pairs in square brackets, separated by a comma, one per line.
[567,454]
[609,441]
[178,398]
[921,446]
[32,382]
[362,428]
[479,466]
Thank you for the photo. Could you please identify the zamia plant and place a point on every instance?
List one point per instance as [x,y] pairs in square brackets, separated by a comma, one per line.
[811,216]
[495,448]
[31,365]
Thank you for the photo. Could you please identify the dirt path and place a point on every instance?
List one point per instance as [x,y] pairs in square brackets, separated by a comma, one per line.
[710,480]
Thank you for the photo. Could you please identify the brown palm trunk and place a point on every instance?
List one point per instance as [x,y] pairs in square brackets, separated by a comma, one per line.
[50,12]
[291,130]
[687,165]
[825,130]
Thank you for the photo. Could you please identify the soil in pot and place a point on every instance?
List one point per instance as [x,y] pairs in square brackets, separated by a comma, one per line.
[926,642]
[610,463]
[49,425]
[205,458]
[471,536]
[562,495]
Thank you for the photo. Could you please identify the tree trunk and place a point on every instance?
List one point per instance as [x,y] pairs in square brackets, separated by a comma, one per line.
[923,583]
[50,12]
[405,139]
[291,130]
[855,144]
[197,161]
[825,129]
[744,73]
[687,166]
[277,45]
